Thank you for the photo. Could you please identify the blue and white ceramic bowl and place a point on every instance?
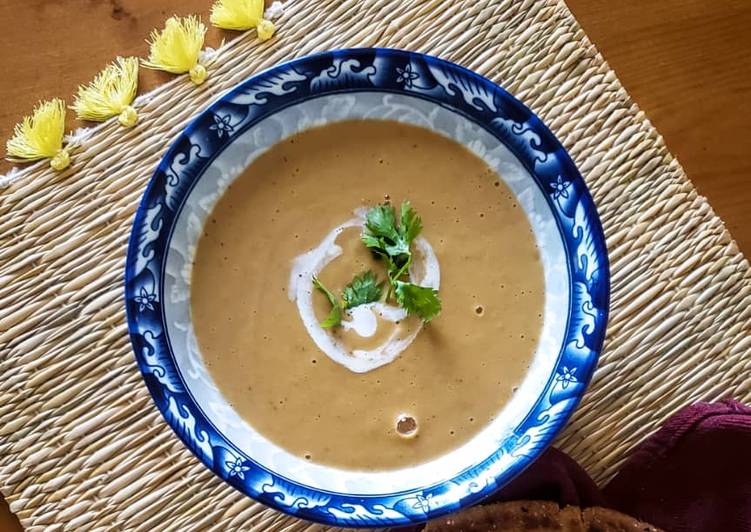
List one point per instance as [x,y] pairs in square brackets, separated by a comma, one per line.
[325,88]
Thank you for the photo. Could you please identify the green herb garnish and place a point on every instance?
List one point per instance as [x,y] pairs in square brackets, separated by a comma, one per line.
[392,241]
[335,316]
[420,300]
[363,289]
[387,238]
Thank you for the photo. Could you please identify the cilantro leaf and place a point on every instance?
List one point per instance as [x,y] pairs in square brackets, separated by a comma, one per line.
[335,316]
[364,288]
[420,300]
[382,232]
[381,222]
[410,223]
[371,241]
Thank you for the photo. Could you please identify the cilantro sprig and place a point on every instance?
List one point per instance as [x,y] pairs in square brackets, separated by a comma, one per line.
[391,240]
[362,289]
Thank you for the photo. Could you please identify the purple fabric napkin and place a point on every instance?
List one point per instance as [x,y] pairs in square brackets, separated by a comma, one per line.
[692,475]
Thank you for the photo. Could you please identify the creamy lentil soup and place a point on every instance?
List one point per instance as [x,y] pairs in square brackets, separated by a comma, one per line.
[382,391]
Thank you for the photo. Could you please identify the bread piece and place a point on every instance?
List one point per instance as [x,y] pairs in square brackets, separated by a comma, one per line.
[537,516]
[605,520]
[515,516]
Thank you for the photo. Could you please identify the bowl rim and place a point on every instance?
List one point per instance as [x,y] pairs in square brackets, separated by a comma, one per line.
[479,100]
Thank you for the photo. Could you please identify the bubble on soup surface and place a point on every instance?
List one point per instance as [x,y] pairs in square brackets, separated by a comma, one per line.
[406,426]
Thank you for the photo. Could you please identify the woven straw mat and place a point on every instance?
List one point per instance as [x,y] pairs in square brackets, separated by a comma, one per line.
[82,447]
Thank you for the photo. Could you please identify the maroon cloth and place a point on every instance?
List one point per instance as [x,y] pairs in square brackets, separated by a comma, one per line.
[693,475]
[554,476]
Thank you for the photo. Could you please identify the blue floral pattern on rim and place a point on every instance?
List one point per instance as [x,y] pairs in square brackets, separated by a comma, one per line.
[385,70]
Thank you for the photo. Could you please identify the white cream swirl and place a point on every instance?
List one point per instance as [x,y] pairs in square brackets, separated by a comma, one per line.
[363,320]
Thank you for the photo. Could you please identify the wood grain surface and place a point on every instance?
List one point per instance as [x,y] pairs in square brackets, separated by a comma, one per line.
[685,62]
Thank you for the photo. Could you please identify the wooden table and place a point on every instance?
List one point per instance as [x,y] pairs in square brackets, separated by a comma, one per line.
[685,62]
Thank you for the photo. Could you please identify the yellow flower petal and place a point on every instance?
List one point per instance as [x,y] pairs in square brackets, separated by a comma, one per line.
[177,47]
[110,93]
[237,14]
[39,136]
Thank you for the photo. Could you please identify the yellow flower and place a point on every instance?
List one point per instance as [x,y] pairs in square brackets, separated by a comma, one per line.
[237,14]
[241,15]
[177,47]
[41,136]
[110,94]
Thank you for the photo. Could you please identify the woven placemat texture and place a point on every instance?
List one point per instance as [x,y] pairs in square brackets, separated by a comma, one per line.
[81,445]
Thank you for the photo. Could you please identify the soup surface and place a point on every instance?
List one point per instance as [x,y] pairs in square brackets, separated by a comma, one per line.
[461,368]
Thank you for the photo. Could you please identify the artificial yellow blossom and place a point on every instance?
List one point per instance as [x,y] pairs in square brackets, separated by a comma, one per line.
[241,15]
[177,48]
[40,136]
[110,94]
